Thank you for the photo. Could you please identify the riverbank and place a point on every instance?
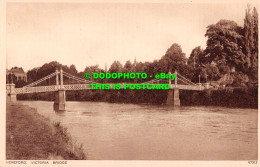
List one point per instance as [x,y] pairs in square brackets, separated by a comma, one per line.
[230,97]
[31,136]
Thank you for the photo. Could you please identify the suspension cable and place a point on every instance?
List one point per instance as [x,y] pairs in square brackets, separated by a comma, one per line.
[41,80]
[77,78]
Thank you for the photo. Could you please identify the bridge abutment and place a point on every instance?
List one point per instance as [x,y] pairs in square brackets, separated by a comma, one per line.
[173,98]
[59,100]
[10,93]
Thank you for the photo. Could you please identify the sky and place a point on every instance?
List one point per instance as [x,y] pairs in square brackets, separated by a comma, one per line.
[87,34]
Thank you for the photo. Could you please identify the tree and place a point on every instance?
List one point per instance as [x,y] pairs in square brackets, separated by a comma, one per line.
[225,45]
[140,67]
[200,75]
[46,69]
[128,67]
[223,69]
[73,70]
[251,42]
[116,67]
[195,58]
[31,75]
[173,59]
[213,73]
[91,70]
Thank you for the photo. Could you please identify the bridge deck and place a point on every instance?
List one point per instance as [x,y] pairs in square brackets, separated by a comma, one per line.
[87,86]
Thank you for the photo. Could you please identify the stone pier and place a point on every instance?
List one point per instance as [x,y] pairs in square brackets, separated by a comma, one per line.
[59,100]
[59,94]
[173,98]
[176,99]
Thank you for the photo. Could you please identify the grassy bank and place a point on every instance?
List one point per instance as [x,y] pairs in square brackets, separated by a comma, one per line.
[30,136]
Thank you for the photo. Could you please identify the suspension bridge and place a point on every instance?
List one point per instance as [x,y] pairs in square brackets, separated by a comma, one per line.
[59,87]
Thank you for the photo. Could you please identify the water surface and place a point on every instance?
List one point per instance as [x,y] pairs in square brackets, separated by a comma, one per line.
[146,132]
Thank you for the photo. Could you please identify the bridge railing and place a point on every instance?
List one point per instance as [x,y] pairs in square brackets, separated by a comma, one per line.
[87,86]
[77,86]
[24,90]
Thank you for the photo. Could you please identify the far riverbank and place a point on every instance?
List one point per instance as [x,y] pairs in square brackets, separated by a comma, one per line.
[230,97]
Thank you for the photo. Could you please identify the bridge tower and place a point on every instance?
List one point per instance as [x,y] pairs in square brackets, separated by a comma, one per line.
[59,94]
[173,98]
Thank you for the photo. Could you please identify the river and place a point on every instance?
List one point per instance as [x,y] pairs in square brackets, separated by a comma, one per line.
[111,131]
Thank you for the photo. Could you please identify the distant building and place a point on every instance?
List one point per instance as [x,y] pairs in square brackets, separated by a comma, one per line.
[18,73]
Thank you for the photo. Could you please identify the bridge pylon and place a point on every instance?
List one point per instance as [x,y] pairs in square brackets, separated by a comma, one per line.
[59,94]
[173,98]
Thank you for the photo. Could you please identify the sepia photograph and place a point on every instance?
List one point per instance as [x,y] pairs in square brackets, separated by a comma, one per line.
[118,80]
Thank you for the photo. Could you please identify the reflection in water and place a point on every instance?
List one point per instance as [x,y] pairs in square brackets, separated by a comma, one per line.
[145,132]
[60,113]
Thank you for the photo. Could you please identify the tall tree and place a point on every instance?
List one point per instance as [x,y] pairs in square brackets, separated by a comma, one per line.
[225,45]
[195,58]
[116,67]
[173,59]
[251,42]
[73,70]
[128,67]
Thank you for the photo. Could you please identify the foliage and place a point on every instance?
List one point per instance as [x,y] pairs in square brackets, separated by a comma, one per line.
[196,57]
[116,67]
[225,44]
[251,42]
[213,73]
[11,78]
[174,59]
[229,46]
